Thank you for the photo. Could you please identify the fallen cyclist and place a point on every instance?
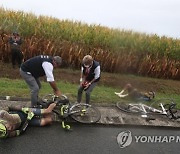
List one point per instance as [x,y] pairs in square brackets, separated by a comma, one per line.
[134,94]
[14,122]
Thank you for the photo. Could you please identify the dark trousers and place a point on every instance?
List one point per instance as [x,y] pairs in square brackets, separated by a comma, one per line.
[34,85]
[88,93]
[17,56]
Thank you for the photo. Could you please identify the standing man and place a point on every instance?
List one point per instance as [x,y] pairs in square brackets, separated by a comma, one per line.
[90,75]
[15,42]
[36,67]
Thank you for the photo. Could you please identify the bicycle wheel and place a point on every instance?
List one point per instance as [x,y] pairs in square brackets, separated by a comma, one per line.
[161,101]
[129,108]
[49,98]
[85,113]
[162,107]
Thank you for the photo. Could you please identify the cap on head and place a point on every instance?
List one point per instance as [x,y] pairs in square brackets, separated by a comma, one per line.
[3,130]
[58,60]
[87,60]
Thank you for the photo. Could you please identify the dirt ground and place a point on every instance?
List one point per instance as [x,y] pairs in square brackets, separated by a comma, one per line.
[107,79]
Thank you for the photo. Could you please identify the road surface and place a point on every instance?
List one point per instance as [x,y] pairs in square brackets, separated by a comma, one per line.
[90,139]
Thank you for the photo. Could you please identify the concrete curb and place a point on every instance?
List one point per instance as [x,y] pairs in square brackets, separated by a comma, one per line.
[110,115]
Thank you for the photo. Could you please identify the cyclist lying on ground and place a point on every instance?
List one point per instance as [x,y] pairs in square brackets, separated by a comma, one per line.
[135,94]
[12,122]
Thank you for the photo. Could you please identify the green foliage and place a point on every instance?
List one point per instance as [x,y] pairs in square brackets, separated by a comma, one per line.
[101,94]
[117,50]
[94,35]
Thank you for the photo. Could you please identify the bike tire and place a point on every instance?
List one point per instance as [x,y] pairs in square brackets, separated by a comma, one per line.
[49,98]
[163,101]
[166,104]
[127,108]
[91,115]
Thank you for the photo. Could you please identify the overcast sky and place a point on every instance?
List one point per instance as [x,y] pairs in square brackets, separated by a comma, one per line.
[150,16]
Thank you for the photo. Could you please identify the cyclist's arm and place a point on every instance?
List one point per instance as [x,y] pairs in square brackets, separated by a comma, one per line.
[13,133]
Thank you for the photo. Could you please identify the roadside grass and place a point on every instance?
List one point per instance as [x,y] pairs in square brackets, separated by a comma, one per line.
[101,93]
[18,88]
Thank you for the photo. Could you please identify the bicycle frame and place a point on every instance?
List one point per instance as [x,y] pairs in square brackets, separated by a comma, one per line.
[66,110]
[143,108]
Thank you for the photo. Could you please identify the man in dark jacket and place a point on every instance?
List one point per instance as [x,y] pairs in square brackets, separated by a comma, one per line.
[15,42]
[90,75]
[36,67]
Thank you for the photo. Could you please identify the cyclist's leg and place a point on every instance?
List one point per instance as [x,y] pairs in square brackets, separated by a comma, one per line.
[88,92]
[46,120]
[40,112]
[145,97]
[41,121]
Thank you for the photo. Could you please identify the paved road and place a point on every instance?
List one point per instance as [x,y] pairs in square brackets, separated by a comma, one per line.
[88,139]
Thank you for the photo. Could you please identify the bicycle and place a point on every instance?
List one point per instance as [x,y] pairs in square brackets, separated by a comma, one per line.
[83,113]
[165,107]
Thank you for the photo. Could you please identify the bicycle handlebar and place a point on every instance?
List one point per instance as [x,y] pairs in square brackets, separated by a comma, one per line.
[171,107]
[63,96]
[63,99]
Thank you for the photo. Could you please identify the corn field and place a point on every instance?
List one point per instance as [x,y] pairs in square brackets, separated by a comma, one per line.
[118,51]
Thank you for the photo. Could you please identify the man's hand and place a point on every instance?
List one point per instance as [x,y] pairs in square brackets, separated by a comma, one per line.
[54,87]
[86,85]
[57,93]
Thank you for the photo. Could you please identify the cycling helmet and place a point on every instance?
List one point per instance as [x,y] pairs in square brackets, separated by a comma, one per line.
[3,130]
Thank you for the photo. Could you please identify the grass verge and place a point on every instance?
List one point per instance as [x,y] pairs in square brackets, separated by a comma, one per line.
[101,94]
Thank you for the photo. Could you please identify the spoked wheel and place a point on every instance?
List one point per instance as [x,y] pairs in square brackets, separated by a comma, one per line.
[49,98]
[85,113]
[161,101]
[46,101]
[166,103]
[128,108]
